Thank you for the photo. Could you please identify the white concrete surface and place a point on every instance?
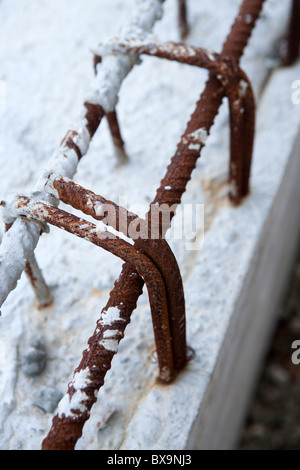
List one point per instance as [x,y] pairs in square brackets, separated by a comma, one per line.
[232,285]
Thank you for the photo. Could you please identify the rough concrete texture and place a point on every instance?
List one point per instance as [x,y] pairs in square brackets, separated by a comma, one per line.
[47,66]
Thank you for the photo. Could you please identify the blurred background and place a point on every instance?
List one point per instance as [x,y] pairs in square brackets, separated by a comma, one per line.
[273,422]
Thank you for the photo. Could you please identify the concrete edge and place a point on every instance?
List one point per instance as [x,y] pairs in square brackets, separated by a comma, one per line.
[219,420]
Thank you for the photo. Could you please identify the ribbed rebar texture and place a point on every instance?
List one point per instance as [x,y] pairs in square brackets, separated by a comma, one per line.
[65,431]
[145,241]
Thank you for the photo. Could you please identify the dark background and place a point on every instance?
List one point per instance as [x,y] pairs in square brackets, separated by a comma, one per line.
[273,421]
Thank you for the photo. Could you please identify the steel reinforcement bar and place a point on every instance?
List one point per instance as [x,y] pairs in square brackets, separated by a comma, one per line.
[64,433]
[149,259]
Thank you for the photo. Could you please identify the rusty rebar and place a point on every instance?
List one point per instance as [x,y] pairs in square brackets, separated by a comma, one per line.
[93,114]
[102,98]
[145,240]
[128,287]
[42,292]
[107,337]
[293,38]
[98,207]
[114,126]
[242,129]
[182,19]
[122,249]
[115,132]
[67,429]
[220,65]
[238,90]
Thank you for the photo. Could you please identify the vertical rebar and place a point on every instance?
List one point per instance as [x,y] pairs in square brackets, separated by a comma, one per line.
[113,123]
[42,292]
[182,19]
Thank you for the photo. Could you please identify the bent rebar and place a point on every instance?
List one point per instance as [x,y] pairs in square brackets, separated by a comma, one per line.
[146,240]
[237,88]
